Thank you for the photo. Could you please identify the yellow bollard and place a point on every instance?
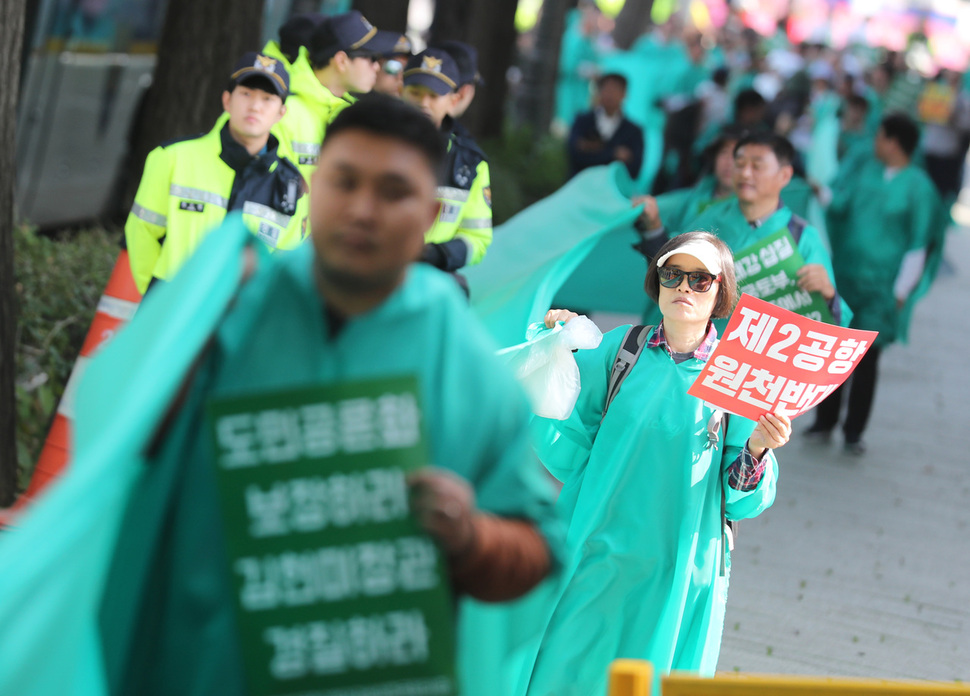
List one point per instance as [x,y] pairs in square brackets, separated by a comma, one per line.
[630,678]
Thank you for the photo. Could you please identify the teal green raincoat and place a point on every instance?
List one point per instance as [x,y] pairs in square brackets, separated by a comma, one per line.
[679,206]
[642,496]
[873,222]
[574,92]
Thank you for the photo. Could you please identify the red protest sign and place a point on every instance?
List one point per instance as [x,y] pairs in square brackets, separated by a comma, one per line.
[773,360]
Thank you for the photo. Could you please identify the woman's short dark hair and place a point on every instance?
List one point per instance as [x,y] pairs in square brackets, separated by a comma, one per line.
[727,291]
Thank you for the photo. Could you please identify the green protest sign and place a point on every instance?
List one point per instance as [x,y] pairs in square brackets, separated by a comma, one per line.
[768,270]
[338,591]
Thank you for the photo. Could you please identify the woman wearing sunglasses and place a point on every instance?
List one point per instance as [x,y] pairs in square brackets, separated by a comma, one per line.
[647,486]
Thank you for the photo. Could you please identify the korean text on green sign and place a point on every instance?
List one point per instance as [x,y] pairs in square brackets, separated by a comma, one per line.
[768,270]
[338,591]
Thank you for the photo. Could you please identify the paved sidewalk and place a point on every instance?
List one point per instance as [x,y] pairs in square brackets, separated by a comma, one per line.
[862,567]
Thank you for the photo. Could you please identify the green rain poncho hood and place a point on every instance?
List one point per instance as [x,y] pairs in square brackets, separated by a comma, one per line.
[642,493]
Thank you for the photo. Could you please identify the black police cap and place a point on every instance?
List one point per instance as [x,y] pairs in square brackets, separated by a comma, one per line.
[297,31]
[348,32]
[466,57]
[256,65]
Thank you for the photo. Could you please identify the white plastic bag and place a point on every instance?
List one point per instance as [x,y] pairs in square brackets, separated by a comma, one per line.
[546,368]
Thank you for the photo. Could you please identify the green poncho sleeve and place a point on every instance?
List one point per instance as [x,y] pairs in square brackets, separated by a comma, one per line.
[742,505]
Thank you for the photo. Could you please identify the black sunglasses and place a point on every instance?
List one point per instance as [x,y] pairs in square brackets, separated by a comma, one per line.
[698,281]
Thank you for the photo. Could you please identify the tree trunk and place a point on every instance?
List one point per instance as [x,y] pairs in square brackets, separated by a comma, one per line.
[390,15]
[451,22]
[633,20]
[539,92]
[11,36]
[200,44]
[492,32]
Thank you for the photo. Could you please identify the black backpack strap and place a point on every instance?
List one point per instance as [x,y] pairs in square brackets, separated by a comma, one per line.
[716,429]
[626,358]
[796,226]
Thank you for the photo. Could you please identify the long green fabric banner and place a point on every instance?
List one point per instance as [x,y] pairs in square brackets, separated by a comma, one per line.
[573,247]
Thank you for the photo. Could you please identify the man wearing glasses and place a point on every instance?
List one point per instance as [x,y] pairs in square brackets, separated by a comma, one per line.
[340,58]
[390,77]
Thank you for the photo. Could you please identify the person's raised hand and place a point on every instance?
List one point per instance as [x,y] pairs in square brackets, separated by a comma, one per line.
[554,315]
[773,431]
[651,212]
[812,277]
[622,153]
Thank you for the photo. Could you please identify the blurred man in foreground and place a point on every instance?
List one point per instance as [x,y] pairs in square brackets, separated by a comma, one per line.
[155,602]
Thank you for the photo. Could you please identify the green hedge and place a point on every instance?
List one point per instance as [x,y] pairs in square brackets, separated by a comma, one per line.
[524,169]
[59,282]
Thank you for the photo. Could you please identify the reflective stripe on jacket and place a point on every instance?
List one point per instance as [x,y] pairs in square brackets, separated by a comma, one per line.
[189,185]
[309,110]
[465,198]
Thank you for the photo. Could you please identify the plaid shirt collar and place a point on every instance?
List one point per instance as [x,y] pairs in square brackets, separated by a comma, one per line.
[703,351]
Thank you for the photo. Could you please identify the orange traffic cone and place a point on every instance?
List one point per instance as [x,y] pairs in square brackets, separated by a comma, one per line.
[115,309]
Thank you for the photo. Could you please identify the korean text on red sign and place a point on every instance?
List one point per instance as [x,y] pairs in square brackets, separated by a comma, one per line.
[773,360]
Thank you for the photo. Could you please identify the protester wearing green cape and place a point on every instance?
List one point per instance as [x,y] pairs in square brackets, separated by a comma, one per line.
[647,570]
[577,63]
[762,170]
[350,307]
[887,226]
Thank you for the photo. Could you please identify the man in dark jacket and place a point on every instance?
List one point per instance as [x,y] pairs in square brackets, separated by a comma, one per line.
[604,134]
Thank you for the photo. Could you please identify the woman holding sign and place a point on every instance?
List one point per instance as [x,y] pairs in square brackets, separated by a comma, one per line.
[650,473]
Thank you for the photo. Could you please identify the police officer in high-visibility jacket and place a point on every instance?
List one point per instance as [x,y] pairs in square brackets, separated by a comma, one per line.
[189,185]
[463,229]
[339,55]
[469,79]
[390,77]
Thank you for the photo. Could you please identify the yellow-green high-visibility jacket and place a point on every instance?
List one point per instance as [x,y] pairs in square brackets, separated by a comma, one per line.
[273,50]
[189,185]
[310,108]
[463,229]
